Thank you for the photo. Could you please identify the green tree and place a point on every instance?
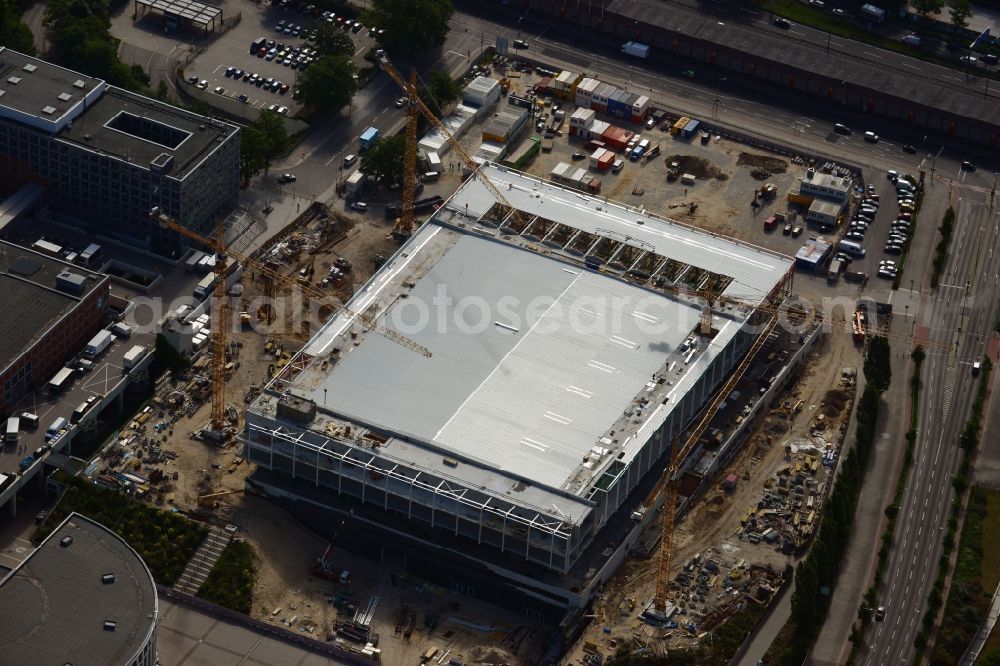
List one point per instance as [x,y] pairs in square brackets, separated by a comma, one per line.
[927,7]
[384,160]
[440,90]
[79,33]
[253,153]
[14,34]
[328,85]
[412,26]
[272,127]
[332,41]
[960,11]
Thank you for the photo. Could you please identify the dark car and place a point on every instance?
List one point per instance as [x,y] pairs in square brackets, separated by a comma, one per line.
[783,23]
[968,166]
[907,148]
[579,156]
[841,129]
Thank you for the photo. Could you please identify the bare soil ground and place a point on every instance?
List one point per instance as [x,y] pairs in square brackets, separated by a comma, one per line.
[711,526]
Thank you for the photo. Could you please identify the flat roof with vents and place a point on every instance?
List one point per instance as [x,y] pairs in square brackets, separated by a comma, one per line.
[141,130]
[28,287]
[57,606]
[192,12]
[40,94]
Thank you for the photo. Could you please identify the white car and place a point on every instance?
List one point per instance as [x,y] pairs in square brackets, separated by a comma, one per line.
[202,84]
[969,59]
[219,90]
[359,205]
[282,110]
[913,39]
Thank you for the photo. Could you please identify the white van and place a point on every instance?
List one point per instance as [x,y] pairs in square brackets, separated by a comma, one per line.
[350,160]
[54,429]
[852,248]
[30,419]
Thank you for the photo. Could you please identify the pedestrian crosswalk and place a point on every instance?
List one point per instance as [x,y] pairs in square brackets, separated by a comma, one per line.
[949,388]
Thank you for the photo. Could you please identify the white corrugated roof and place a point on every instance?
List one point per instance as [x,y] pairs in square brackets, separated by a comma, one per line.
[755,271]
[562,352]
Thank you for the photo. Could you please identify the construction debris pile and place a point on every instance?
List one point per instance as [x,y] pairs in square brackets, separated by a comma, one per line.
[787,516]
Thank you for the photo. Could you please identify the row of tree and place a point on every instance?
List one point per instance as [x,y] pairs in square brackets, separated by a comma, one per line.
[14,34]
[816,575]
[959,10]
[79,32]
[411,27]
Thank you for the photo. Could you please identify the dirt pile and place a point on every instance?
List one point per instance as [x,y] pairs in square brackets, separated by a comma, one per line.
[699,167]
[762,163]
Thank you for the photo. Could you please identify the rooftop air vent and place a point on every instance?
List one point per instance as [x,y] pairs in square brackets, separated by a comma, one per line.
[109,625]
[71,283]
[296,409]
[29,68]
[24,267]
[66,541]
[450,462]
[48,110]
[65,97]
[13,80]
[108,578]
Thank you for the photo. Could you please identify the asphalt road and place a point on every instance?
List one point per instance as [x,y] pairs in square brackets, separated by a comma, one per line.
[965,301]
[849,49]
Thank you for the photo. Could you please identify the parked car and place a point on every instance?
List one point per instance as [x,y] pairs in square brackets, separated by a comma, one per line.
[782,23]
[579,156]
[359,205]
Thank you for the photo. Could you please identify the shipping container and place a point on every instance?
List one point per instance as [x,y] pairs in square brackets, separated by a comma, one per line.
[133,356]
[61,380]
[48,248]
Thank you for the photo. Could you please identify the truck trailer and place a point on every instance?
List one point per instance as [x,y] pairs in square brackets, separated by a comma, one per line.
[98,344]
[133,356]
[637,49]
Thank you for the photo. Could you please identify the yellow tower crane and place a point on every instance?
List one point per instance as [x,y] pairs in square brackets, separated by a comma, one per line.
[217,245]
[404,224]
[415,103]
[308,289]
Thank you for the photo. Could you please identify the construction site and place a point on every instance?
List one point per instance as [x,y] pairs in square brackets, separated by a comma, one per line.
[466,439]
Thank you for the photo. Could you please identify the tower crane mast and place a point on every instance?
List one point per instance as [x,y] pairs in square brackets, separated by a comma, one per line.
[416,103]
[308,289]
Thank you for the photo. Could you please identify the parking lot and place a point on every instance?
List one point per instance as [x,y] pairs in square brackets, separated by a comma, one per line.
[266,79]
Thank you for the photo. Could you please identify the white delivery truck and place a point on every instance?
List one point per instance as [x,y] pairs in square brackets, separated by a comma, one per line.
[13,426]
[53,430]
[133,356]
[355,183]
[98,344]
[122,330]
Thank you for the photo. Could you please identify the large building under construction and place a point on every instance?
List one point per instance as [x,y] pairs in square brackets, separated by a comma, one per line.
[570,343]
